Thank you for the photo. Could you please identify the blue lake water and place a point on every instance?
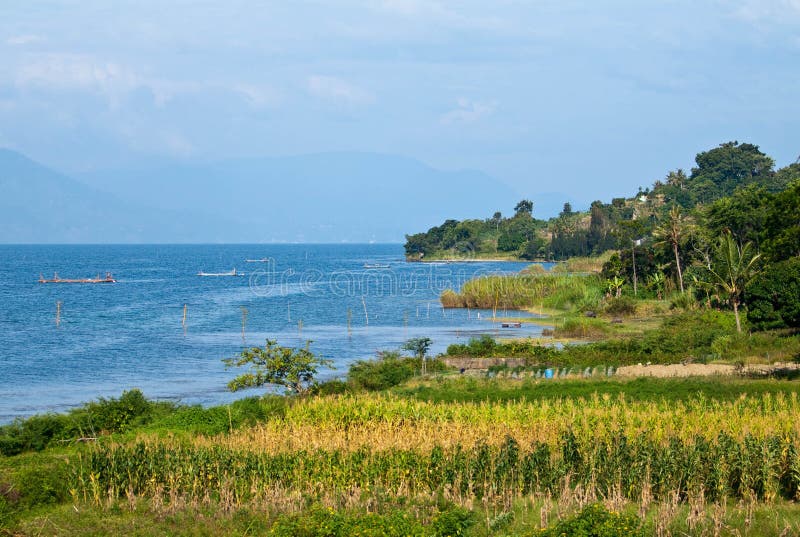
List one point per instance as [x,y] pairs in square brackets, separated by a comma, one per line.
[114,337]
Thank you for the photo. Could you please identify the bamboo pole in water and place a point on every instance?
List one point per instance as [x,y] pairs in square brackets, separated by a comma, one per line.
[183,320]
[349,322]
[244,322]
[58,313]
[366,315]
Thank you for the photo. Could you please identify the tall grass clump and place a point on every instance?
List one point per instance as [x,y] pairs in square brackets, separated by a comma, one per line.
[555,291]
[583,264]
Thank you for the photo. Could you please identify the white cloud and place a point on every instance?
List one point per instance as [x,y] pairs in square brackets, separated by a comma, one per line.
[468,111]
[26,39]
[114,81]
[767,11]
[78,72]
[338,90]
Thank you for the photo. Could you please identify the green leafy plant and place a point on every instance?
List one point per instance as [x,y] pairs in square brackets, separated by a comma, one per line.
[594,521]
[291,368]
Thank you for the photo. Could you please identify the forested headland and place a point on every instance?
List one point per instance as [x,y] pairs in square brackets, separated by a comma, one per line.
[733,187]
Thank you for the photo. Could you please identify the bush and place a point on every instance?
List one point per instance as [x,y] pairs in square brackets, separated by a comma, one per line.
[43,485]
[36,433]
[118,415]
[390,369]
[487,347]
[773,298]
[322,522]
[581,327]
[453,522]
[222,419]
[331,387]
[594,521]
[621,305]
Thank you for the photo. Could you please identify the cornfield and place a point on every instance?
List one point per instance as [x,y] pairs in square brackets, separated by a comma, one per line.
[372,446]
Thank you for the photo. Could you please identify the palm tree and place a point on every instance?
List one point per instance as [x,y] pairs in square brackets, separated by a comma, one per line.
[733,268]
[673,231]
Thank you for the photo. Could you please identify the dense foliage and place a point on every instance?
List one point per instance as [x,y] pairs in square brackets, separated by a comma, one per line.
[774,297]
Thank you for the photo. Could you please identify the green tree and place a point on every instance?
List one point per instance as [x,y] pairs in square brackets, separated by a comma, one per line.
[743,214]
[524,207]
[773,297]
[782,226]
[723,169]
[291,368]
[733,268]
[419,347]
[673,232]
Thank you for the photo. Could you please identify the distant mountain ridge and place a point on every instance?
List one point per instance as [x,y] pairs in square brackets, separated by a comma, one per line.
[40,205]
[328,197]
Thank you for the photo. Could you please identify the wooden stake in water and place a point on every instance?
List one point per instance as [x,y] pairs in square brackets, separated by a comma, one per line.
[183,321]
[58,313]
[300,326]
[349,321]
[244,321]
[429,310]
[366,315]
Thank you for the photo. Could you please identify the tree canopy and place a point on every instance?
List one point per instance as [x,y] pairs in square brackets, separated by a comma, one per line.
[291,368]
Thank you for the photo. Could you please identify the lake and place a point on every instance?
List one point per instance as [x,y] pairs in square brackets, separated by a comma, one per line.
[117,336]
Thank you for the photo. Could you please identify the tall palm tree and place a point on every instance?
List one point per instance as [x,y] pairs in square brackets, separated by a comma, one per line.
[673,231]
[733,268]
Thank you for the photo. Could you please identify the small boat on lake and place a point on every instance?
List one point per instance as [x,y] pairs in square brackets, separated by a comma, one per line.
[375,266]
[511,325]
[231,273]
[262,260]
[97,279]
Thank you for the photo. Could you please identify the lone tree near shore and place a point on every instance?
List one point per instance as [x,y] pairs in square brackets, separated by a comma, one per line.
[419,346]
[291,368]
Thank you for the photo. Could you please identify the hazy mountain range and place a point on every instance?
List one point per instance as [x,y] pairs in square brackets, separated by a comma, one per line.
[330,197]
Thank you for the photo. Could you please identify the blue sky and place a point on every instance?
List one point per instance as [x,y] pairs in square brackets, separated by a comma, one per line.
[589,98]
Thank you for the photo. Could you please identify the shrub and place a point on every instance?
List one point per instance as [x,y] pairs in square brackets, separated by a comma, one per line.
[594,521]
[42,485]
[322,522]
[115,415]
[390,369]
[112,415]
[453,522]
[331,387]
[222,419]
[621,305]
[580,327]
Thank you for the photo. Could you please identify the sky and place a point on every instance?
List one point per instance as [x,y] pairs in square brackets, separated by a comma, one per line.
[590,98]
